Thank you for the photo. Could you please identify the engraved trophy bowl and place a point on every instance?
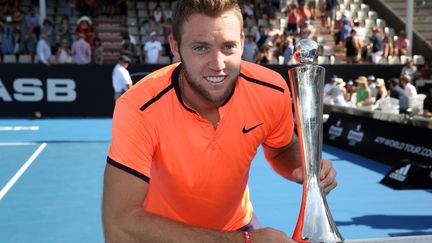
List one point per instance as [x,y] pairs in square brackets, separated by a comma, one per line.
[315,223]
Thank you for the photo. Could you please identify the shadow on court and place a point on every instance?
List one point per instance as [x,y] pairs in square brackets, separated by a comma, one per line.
[416,223]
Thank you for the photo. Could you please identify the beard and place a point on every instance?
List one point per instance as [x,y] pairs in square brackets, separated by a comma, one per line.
[200,89]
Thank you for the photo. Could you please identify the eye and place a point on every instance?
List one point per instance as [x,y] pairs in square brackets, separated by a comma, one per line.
[199,49]
[229,47]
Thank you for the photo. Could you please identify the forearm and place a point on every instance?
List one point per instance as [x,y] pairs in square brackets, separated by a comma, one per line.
[140,226]
[285,160]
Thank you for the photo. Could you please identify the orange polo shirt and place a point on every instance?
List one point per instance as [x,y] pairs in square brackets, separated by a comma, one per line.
[197,174]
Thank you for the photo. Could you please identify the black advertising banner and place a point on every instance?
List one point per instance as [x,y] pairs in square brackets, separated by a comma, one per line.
[409,175]
[384,141]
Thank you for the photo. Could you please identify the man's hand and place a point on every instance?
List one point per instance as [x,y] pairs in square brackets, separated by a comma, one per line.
[269,235]
[327,176]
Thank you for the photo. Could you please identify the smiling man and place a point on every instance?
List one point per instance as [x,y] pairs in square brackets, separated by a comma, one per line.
[184,138]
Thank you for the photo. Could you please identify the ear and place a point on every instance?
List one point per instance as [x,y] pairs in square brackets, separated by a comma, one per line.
[242,41]
[174,46]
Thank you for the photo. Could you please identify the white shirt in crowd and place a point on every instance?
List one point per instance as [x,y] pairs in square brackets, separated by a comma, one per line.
[120,78]
[152,50]
[410,90]
[43,51]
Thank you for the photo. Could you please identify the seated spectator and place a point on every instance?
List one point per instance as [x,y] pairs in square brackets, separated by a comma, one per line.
[158,14]
[388,47]
[266,54]
[250,49]
[401,44]
[363,92]
[350,90]
[288,52]
[410,70]
[397,92]
[409,89]
[427,102]
[337,92]
[381,91]
[63,53]
[372,85]
[81,50]
[425,72]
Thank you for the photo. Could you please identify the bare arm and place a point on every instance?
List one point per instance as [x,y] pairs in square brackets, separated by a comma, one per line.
[125,220]
[286,161]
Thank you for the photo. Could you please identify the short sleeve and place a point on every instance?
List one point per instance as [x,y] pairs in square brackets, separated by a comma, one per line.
[133,141]
[283,126]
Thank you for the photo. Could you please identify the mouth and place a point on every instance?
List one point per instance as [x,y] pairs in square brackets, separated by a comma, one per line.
[215,79]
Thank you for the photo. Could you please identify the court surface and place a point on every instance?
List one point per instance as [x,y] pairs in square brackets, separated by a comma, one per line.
[51,173]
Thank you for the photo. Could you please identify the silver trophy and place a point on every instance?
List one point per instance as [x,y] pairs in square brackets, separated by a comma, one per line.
[315,223]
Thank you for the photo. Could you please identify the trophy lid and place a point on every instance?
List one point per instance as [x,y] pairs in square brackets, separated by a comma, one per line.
[306,51]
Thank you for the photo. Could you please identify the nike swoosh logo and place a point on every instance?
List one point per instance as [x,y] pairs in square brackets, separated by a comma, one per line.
[250,129]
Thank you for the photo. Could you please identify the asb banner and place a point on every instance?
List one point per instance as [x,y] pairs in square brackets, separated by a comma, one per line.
[383,141]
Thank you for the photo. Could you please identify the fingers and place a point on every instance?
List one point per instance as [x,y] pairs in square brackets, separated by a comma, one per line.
[327,176]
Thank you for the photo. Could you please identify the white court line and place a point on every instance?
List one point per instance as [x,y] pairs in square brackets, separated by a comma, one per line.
[19,128]
[18,143]
[21,171]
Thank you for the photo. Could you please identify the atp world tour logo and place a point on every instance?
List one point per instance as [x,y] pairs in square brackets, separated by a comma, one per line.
[335,131]
[355,136]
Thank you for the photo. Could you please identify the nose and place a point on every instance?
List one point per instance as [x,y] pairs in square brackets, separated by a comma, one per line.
[217,61]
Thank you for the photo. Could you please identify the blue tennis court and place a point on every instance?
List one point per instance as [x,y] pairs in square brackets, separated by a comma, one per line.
[51,173]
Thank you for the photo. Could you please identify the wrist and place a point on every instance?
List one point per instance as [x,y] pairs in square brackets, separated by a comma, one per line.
[247,236]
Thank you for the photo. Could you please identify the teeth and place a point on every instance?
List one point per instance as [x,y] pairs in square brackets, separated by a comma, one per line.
[215,79]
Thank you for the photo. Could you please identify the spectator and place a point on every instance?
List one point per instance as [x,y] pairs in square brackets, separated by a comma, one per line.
[330,8]
[337,92]
[150,26]
[30,30]
[266,54]
[158,14]
[292,19]
[48,27]
[63,53]
[121,79]
[43,49]
[401,44]
[425,72]
[85,27]
[81,50]
[397,92]
[8,38]
[167,11]
[409,89]
[65,31]
[129,49]
[98,51]
[350,90]
[167,30]
[353,48]
[288,52]
[388,47]
[152,50]
[427,102]
[363,92]
[377,45]
[381,91]
[372,85]
[410,70]
[250,49]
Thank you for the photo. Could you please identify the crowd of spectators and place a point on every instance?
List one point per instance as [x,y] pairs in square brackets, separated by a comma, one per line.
[396,95]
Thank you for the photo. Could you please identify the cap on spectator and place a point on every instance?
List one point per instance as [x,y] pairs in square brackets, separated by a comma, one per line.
[371,77]
[333,78]
[8,19]
[339,82]
[350,82]
[379,82]
[153,33]
[361,80]
[406,78]
[124,58]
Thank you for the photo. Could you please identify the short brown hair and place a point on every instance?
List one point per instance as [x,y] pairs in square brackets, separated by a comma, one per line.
[212,8]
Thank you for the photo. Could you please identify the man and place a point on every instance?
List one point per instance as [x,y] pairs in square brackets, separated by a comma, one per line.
[184,138]
[43,50]
[152,50]
[120,76]
[397,92]
[377,45]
